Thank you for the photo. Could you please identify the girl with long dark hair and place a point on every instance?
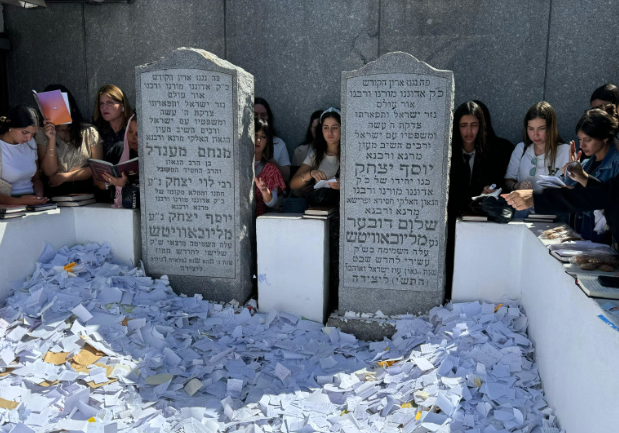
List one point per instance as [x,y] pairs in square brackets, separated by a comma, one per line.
[19,171]
[323,163]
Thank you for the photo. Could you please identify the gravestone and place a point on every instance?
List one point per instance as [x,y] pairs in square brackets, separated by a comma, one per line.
[397,115]
[196,127]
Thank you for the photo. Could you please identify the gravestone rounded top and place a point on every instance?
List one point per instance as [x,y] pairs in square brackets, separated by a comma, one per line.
[395,62]
[191,58]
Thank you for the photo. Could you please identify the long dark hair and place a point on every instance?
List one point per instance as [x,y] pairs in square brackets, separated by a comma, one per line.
[473,109]
[543,110]
[490,133]
[19,116]
[309,137]
[600,123]
[607,92]
[271,121]
[263,125]
[75,128]
[320,144]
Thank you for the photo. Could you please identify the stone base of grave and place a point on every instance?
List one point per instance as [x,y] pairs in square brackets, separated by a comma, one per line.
[364,328]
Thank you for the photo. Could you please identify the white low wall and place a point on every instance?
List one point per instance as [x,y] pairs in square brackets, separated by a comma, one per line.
[293,265]
[22,239]
[577,353]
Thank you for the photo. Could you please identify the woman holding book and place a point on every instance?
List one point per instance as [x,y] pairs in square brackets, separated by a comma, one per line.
[268,180]
[111,116]
[20,183]
[542,151]
[322,163]
[64,151]
[125,188]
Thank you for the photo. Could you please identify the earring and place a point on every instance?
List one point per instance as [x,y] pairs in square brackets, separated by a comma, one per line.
[123,108]
[10,129]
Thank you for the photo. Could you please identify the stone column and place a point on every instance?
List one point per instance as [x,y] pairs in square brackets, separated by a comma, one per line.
[196,127]
[397,120]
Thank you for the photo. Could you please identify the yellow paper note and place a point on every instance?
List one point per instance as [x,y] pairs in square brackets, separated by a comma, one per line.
[87,356]
[8,404]
[55,358]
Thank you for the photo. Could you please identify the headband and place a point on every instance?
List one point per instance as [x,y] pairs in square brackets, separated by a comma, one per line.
[330,110]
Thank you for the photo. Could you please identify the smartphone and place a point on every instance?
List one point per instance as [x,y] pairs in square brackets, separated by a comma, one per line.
[608,281]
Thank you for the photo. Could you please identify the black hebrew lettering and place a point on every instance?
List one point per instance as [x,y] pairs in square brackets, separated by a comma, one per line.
[394,169]
[189,167]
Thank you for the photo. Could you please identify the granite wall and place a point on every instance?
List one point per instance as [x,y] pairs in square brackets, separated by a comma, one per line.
[508,54]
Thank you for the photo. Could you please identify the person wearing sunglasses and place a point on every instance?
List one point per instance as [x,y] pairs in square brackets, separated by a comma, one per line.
[542,151]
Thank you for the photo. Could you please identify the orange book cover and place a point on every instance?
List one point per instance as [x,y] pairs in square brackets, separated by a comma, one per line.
[53,106]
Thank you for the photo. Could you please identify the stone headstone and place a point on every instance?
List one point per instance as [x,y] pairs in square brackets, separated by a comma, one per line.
[196,126]
[397,120]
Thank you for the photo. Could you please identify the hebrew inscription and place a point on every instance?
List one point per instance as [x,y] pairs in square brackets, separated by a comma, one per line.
[189,196]
[394,181]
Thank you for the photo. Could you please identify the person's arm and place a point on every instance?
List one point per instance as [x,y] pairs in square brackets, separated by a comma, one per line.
[37,184]
[302,177]
[563,200]
[46,149]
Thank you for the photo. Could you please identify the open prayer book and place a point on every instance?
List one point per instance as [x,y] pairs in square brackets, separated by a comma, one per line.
[592,287]
[54,105]
[324,183]
[550,182]
[99,167]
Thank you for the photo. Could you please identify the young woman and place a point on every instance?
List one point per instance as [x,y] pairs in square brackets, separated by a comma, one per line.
[541,152]
[64,151]
[111,115]
[120,186]
[280,158]
[606,94]
[323,163]
[268,178]
[19,168]
[597,130]
[300,153]
[469,171]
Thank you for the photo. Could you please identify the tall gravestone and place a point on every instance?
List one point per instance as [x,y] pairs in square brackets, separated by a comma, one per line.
[196,125]
[397,115]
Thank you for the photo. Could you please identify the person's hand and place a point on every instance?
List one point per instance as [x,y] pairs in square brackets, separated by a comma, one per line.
[525,184]
[262,186]
[318,175]
[115,181]
[575,172]
[335,185]
[50,130]
[487,190]
[519,200]
[573,155]
[31,200]
[58,179]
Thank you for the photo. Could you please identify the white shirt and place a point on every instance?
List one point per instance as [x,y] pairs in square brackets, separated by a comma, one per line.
[280,152]
[19,165]
[329,164]
[520,165]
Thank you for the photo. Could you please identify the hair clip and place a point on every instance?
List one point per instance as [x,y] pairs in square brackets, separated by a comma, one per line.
[4,119]
[330,110]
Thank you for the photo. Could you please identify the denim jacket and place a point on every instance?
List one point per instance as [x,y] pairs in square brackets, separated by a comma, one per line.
[608,169]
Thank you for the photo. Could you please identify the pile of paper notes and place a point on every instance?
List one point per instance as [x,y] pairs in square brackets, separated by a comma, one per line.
[92,346]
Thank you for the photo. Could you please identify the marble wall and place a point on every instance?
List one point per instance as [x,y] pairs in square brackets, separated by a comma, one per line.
[508,54]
